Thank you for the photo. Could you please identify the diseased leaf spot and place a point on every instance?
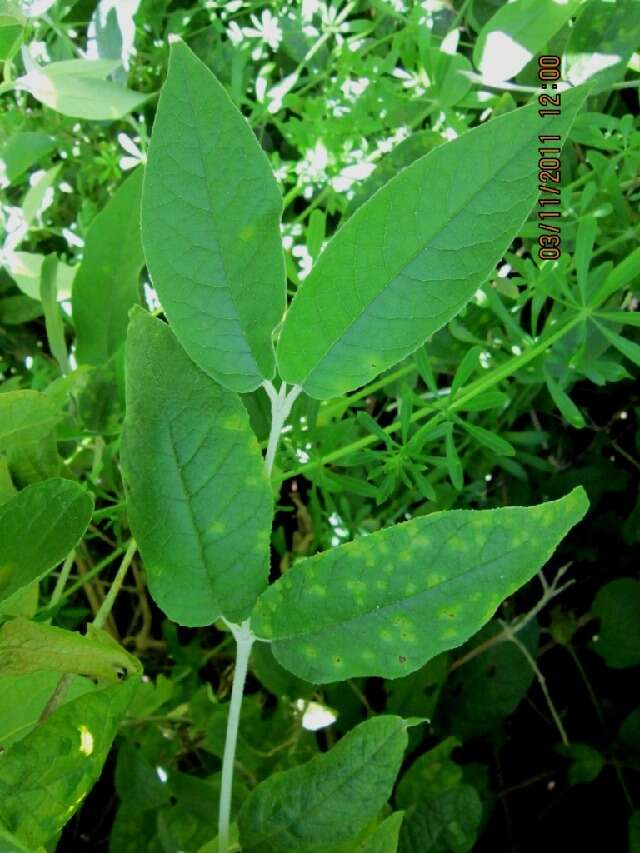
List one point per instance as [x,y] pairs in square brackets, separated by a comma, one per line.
[386,636]
[381,584]
[402,659]
[318,590]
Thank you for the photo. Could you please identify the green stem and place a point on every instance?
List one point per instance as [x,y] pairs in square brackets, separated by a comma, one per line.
[63,577]
[105,609]
[244,641]
[476,388]
[281,403]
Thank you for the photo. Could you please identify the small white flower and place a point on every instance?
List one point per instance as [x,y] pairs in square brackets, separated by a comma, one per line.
[267,29]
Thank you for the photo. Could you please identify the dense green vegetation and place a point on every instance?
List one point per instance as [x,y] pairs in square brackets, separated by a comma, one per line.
[388,538]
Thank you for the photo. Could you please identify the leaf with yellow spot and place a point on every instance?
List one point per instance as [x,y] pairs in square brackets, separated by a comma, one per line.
[46,775]
[433,602]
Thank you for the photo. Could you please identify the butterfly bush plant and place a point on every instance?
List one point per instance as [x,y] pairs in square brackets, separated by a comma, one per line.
[217,372]
[200,495]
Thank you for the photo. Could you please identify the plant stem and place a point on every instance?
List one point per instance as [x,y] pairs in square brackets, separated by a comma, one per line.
[55,700]
[244,641]
[474,389]
[63,577]
[105,608]
[281,403]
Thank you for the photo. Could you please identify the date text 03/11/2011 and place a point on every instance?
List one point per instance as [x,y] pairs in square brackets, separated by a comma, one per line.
[549,241]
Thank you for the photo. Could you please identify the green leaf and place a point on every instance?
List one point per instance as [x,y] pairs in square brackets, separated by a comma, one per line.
[107,282]
[405,153]
[494,442]
[626,347]
[454,465]
[388,602]
[601,43]
[12,23]
[430,775]
[27,646]
[586,763]
[327,801]
[210,224]
[620,276]
[517,31]
[25,416]
[617,605]
[77,88]
[26,267]
[568,409]
[412,256]
[23,150]
[449,822]
[45,776]
[38,528]
[52,316]
[198,498]
[23,698]
[10,844]
[488,688]
[384,838]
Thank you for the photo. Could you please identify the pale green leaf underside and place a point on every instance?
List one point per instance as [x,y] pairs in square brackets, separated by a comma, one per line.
[198,498]
[387,603]
[38,528]
[45,776]
[107,282]
[411,257]
[210,223]
[517,31]
[317,807]
[75,88]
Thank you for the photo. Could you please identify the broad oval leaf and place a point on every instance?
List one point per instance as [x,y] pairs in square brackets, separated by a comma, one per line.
[38,528]
[45,776]
[387,603]
[413,255]
[210,226]
[327,801]
[107,282]
[198,498]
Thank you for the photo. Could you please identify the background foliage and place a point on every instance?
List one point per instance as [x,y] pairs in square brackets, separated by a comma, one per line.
[534,729]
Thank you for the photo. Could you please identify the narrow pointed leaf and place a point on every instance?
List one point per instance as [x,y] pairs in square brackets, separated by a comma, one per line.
[319,806]
[387,603]
[210,224]
[46,775]
[628,348]
[107,283]
[198,498]
[38,528]
[27,646]
[412,256]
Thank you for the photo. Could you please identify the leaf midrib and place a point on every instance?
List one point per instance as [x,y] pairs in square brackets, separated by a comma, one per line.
[424,247]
